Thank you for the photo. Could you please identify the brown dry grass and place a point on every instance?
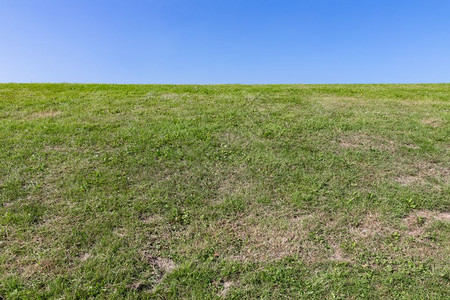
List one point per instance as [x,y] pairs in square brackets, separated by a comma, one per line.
[227,285]
[424,172]
[377,238]
[255,237]
[370,226]
[234,183]
[269,236]
[433,122]
[366,142]
[161,266]
[45,114]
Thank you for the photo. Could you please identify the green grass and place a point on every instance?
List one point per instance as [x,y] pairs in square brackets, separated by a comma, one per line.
[231,191]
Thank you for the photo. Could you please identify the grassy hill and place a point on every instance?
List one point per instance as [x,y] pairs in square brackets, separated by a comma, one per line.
[229,191]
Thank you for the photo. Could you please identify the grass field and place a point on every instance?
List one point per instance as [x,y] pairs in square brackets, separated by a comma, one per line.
[229,191]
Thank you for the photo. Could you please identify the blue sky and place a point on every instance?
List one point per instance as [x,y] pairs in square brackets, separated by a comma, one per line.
[215,41]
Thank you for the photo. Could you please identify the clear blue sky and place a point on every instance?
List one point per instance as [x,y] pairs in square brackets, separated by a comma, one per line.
[225,41]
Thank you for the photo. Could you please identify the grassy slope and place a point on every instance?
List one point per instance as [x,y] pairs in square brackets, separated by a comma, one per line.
[276,191]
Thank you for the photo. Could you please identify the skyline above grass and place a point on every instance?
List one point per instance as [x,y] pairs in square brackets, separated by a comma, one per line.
[216,42]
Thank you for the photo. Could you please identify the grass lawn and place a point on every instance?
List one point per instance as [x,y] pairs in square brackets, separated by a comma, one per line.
[229,191]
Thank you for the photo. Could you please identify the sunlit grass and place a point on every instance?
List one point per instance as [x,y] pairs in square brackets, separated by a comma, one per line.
[275,191]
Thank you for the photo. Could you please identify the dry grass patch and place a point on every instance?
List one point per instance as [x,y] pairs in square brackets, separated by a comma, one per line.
[227,285]
[234,183]
[231,138]
[166,265]
[57,149]
[338,254]
[366,142]
[370,226]
[416,224]
[333,103]
[394,243]
[152,219]
[272,236]
[445,216]
[45,114]
[423,172]
[161,266]
[170,96]
[418,232]
[256,237]
[85,257]
[433,122]
[418,221]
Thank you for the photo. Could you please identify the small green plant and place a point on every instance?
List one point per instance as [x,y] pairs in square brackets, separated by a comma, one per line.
[410,202]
